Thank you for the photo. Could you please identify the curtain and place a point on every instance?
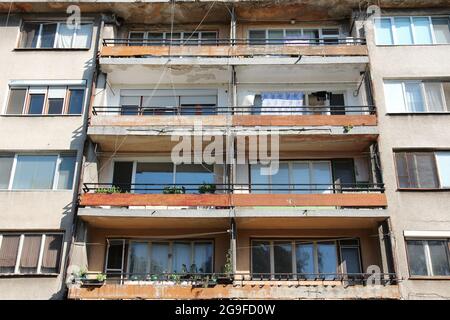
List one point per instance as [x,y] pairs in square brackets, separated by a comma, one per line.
[283,103]
[181,257]
[83,36]
[30,253]
[203,257]
[434,96]
[160,258]
[66,172]
[65,35]
[414,99]
[34,172]
[8,252]
[52,253]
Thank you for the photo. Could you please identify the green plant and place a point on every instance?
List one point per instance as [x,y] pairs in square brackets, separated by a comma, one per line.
[347,128]
[81,273]
[112,189]
[207,188]
[228,266]
[174,190]
[101,277]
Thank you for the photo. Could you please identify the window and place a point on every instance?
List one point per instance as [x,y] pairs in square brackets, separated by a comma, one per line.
[41,172]
[55,35]
[144,257]
[415,96]
[52,100]
[428,257]
[139,38]
[30,253]
[423,170]
[294,36]
[306,258]
[412,30]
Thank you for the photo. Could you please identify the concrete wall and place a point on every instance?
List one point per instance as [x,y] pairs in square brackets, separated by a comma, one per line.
[422,211]
[40,210]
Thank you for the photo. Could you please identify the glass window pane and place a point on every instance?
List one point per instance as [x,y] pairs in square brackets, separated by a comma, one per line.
[36,104]
[155,39]
[189,175]
[312,35]
[8,253]
[441,30]
[6,162]
[203,257]
[34,172]
[416,258]
[422,31]
[181,257]
[16,101]
[65,36]
[260,257]
[281,178]
[433,92]
[30,35]
[446,86]
[383,31]
[160,257]
[83,34]
[66,172]
[115,254]
[139,261]
[403,31]
[304,255]
[426,169]
[260,182]
[443,164]
[55,106]
[301,177]
[30,254]
[282,252]
[439,257]
[321,177]
[327,259]
[414,98]
[350,260]
[52,253]
[209,38]
[160,174]
[275,36]
[48,35]
[76,101]
[402,170]
[393,94]
[257,36]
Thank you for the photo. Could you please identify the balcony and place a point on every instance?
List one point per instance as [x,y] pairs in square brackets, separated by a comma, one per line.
[233,48]
[258,195]
[336,115]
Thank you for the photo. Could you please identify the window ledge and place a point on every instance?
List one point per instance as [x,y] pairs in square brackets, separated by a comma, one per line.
[417,113]
[429,278]
[29,275]
[51,49]
[412,45]
[40,115]
[423,189]
[36,190]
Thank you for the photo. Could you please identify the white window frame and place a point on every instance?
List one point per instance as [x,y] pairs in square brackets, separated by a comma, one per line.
[424,96]
[166,36]
[55,41]
[427,253]
[66,102]
[55,176]
[302,29]
[412,28]
[22,236]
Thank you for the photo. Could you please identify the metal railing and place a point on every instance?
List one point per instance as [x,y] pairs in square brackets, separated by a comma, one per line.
[229,278]
[236,110]
[232,42]
[281,188]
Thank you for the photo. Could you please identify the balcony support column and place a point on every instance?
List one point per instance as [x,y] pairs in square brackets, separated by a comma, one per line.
[233,26]
[387,255]
[233,244]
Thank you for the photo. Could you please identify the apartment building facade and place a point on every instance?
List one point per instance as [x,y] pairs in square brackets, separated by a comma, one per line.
[215,80]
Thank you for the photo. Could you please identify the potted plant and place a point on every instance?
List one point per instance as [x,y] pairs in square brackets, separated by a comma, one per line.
[110,190]
[226,277]
[207,188]
[98,280]
[174,190]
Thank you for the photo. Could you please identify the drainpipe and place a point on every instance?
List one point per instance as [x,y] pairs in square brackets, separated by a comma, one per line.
[80,154]
[233,244]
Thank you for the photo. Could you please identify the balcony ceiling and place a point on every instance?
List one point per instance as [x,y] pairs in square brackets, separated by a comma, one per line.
[159,12]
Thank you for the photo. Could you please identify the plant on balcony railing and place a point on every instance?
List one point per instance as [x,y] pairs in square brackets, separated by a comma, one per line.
[207,188]
[174,190]
[109,190]
[87,279]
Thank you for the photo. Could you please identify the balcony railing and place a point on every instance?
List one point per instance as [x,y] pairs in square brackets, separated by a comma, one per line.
[274,188]
[223,278]
[235,110]
[235,42]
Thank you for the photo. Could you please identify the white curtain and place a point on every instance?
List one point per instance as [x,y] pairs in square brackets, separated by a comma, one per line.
[83,36]
[283,103]
[65,36]
[434,96]
[414,99]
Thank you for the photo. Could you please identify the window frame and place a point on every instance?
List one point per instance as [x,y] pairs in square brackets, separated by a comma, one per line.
[428,261]
[284,29]
[38,273]
[26,104]
[55,175]
[55,41]
[166,36]
[413,151]
[423,93]
[412,28]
